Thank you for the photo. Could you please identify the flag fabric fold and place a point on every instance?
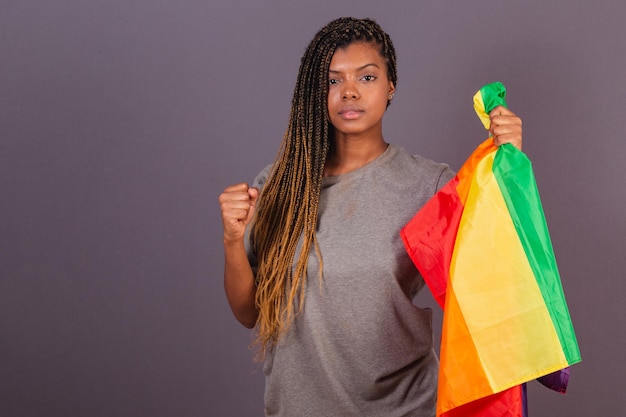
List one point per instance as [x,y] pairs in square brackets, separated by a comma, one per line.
[483,247]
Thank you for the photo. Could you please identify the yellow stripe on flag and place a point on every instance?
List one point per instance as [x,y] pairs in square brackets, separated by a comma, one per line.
[509,324]
[479,107]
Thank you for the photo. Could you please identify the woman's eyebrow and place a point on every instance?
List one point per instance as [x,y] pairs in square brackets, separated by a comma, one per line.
[372,64]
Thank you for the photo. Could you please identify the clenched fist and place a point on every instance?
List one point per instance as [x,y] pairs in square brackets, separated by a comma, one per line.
[506,127]
[237,203]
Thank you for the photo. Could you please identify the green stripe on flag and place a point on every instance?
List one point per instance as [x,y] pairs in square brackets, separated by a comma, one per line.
[493,95]
[514,174]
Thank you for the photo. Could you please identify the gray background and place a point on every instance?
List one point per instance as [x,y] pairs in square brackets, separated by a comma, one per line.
[121,122]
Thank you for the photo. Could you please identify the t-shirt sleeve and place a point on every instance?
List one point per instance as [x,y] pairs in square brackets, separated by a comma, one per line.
[446,175]
[259,182]
[261,178]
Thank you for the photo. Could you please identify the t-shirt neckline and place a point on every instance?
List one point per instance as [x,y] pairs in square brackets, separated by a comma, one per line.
[333,179]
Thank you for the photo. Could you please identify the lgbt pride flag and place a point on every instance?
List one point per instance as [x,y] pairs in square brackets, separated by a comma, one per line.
[483,247]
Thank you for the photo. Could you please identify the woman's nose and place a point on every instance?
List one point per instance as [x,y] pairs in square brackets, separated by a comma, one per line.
[350,91]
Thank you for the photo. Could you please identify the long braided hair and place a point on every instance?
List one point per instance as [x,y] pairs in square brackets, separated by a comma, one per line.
[288,205]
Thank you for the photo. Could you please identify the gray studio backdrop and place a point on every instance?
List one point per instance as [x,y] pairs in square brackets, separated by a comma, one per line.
[121,122]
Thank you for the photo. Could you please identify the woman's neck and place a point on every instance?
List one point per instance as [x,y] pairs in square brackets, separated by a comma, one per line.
[350,153]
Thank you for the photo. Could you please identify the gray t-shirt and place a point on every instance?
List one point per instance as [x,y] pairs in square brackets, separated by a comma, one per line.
[360,347]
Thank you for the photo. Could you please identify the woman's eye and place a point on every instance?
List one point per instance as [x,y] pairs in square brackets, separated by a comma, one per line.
[332,81]
[369,78]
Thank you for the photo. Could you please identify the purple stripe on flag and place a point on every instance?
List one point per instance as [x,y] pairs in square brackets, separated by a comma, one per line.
[556,381]
[524,401]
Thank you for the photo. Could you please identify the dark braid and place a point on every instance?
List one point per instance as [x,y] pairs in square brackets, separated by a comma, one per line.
[288,205]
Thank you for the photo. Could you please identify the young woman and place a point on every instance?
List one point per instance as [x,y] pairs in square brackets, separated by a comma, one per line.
[313,255]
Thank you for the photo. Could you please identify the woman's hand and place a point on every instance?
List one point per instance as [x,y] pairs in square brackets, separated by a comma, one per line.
[237,203]
[506,127]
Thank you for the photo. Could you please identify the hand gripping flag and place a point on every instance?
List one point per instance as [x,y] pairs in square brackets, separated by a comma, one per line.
[482,245]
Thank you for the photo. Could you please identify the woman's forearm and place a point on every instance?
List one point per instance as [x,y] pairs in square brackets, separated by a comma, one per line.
[239,283]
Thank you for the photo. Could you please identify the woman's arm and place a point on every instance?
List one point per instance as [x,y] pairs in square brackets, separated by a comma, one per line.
[237,203]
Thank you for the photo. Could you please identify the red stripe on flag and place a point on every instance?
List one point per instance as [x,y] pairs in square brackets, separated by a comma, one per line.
[434,233]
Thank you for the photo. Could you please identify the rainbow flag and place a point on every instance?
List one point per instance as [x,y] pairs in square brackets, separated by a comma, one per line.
[483,247]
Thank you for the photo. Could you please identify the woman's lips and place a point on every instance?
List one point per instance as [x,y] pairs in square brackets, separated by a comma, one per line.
[350,113]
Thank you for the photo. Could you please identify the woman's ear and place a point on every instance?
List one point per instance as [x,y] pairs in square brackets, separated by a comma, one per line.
[392,91]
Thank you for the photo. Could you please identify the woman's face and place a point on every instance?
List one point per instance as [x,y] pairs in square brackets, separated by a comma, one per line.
[358,89]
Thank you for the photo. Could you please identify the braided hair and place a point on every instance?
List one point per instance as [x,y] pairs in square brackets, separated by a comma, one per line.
[288,205]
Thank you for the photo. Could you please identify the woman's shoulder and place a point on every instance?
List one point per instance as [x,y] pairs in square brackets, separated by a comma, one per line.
[417,165]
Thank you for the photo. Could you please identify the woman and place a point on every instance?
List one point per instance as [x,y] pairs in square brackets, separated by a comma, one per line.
[324,277]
